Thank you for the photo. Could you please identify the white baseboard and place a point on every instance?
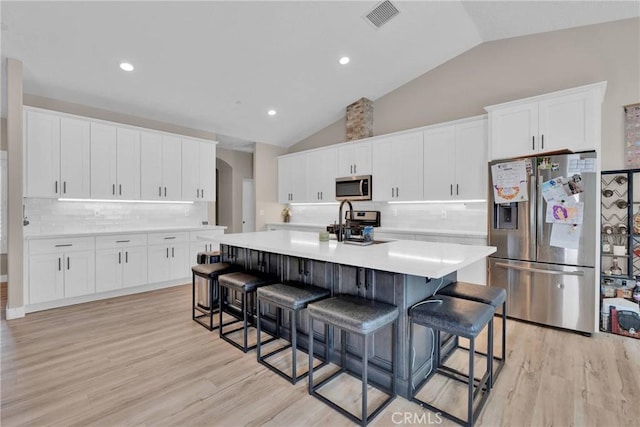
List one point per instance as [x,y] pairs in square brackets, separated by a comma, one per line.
[15,313]
[3,278]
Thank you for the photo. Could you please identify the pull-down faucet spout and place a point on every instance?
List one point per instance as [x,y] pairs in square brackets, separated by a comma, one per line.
[341,230]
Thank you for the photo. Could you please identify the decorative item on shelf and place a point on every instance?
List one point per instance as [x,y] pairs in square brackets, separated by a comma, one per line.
[618,243]
[607,193]
[622,228]
[615,268]
[636,223]
[621,179]
[607,229]
[622,204]
[286,214]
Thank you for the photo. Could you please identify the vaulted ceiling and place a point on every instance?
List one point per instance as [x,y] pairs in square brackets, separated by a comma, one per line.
[219,66]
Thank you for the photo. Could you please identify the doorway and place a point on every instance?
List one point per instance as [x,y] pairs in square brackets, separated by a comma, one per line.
[248,206]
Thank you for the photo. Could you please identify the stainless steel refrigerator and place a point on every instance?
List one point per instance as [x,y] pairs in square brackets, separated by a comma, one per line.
[549,279]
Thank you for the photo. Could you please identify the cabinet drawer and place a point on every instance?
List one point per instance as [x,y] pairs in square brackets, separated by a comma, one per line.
[121,241]
[168,238]
[200,235]
[47,246]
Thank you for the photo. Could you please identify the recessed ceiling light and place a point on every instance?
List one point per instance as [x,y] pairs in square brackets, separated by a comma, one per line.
[344,60]
[126,66]
[272,112]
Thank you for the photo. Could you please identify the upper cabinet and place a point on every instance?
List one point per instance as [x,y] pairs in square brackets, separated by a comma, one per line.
[198,170]
[455,161]
[56,156]
[354,158]
[161,166]
[322,169]
[292,178]
[115,162]
[398,167]
[565,120]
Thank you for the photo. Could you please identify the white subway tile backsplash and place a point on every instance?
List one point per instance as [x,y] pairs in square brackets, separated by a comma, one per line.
[446,216]
[53,216]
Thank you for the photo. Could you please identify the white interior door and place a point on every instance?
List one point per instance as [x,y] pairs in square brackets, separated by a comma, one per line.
[248,206]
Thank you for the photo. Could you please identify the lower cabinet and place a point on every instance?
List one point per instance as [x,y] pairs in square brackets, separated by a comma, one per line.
[168,262]
[61,269]
[120,268]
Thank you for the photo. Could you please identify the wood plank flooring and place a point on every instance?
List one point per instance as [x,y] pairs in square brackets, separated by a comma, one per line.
[141,360]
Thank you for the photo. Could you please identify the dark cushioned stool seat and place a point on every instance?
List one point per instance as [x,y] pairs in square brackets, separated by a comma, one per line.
[484,294]
[206,270]
[362,317]
[291,296]
[354,314]
[454,315]
[243,281]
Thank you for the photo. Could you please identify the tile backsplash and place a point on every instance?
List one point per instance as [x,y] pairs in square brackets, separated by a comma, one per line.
[442,216]
[54,216]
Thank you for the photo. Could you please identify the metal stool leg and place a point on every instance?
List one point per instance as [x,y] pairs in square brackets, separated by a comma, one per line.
[365,362]
[310,356]
[258,347]
[470,383]
[294,346]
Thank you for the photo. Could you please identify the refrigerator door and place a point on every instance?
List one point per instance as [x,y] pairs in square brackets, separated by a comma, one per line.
[585,254]
[548,294]
[512,226]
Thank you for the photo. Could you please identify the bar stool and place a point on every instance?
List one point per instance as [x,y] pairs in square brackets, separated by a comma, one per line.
[462,318]
[245,283]
[211,273]
[361,317]
[486,295]
[293,298]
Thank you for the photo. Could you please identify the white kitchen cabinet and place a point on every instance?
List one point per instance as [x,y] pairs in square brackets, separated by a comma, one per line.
[198,170]
[321,173]
[56,156]
[564,120]
[292,178]
[455,161]
[121,261]
[168,256]
[398,167]
[161,166]
[354,158]
[115,162]
[61,269]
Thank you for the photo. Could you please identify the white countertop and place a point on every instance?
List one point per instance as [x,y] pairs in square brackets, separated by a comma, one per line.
[433,231]
[412,257]
[121,231]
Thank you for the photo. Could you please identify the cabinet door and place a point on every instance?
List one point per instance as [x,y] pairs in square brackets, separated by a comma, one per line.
[514,131]
[75,158]
[158,263]
[46,278]
[565,121]
[108,269]
[171,167]
[354,159]
[321,172]
[42,155]
[471,161]
[134,266]
[150,166]
[440,163]
[384,184]
[180,263]
[79,273]
[292,179]
[190,169]
[104,160]
[207,171]
[408,166]
[128,164]
[284,180]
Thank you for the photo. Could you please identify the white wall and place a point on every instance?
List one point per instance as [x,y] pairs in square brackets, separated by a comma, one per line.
[265,167]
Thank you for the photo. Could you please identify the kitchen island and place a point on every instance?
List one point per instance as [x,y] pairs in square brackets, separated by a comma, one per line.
[396,272]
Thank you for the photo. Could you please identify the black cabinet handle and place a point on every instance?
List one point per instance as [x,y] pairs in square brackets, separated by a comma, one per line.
[542,141]
[126,257]
[113,189]
[68,263]
[64,187]
[451,189]
[119,257]
[397,192]
[123,241]
[533,142]
[56,187]
[64,246]
[170,238]
[306,267]
[165,191]
[59,264]
[172,253]
[160,191]
[355,168]
[167,252]
[120,189]
[457,190]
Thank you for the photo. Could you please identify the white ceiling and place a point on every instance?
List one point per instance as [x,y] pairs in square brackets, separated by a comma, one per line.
[219,66]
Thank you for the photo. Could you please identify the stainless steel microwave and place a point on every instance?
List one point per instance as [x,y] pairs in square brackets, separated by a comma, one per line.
[353,188]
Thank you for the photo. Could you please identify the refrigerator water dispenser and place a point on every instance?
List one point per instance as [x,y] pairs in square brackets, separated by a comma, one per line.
[505,216]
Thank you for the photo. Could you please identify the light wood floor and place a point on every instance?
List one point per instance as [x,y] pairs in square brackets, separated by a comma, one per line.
[141,360]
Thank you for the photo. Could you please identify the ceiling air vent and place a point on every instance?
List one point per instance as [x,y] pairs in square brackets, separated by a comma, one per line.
[381,14]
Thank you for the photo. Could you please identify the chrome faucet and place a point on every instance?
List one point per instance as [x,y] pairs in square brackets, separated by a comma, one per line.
[341,231]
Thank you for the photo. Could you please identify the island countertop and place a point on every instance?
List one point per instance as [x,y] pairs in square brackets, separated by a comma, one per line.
[416,258]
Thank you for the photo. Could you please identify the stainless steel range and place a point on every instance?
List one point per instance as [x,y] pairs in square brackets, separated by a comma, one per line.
[355,226]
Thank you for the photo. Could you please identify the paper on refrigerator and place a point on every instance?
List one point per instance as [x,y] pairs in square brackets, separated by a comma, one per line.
[564,212]
[565,236]
[509,182]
